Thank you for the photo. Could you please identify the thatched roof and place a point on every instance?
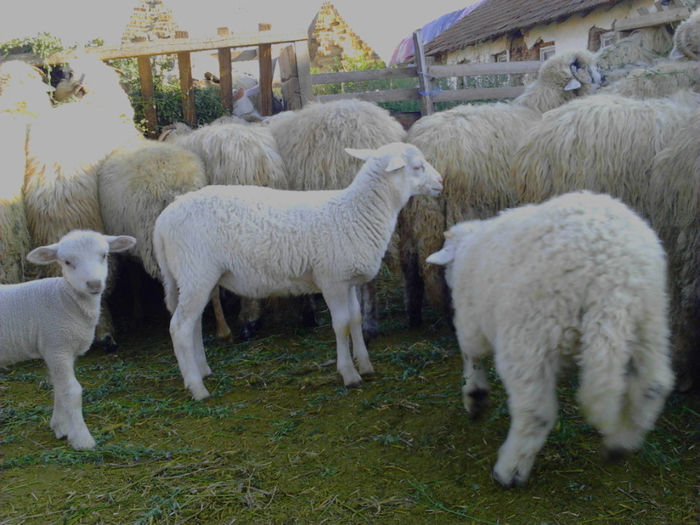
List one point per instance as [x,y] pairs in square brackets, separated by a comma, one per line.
[495,18]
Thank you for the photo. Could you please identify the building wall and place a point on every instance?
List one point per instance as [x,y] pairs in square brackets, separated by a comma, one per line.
[572,33]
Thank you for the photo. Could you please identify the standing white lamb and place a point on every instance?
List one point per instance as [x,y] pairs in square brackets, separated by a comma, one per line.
[54,319]
[579,278]
[260,242]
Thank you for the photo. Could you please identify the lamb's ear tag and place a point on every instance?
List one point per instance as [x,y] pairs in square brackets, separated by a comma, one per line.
[573,84]
[396,162]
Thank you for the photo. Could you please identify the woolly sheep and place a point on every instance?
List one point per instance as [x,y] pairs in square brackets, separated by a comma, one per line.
[642,46]
[659,80]
[65,147]
[604,143]
[673,205]
[312,143]
[681,71]
[234,152]
[686,39]
[54,319]
[471,146]
[578,278]
[136,184]
[23,96]
[88,79]
[260,242]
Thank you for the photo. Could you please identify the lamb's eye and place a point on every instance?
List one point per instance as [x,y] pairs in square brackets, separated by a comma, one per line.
[67,263]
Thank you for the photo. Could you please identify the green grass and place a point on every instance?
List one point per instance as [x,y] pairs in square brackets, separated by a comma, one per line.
[282,441]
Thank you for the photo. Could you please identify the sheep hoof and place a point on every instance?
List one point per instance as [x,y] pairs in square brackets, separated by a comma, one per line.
[614,455]
[108,343]
[199,392]
[83,442]
[353,380]
[476,402]
[508,482]
[249,330]
[225,338]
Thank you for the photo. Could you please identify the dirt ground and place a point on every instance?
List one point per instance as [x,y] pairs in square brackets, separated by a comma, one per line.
[282,441]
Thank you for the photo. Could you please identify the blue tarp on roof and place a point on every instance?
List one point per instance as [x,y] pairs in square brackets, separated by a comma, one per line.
[429,31]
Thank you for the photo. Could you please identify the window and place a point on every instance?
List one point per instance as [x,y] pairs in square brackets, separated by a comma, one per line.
[547,52]
[607,39]
[501,57]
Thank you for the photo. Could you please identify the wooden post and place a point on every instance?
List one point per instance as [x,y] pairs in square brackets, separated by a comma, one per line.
[426,102]
[147,92]
[289,78]
[184,65]
[265,80]
[306,92]
[225,75]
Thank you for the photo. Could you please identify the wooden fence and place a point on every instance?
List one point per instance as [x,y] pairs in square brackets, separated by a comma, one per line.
[297,87]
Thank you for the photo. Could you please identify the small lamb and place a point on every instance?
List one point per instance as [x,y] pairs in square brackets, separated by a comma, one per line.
[260,242]
[578,278]
[54,319]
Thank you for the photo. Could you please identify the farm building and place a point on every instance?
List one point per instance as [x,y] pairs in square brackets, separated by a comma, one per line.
[508,30]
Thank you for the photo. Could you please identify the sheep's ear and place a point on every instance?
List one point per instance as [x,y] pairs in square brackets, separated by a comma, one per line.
[573,84]
[119,243]
[362,154]
[396,162]
[43,254]
[675,53]
[443,257]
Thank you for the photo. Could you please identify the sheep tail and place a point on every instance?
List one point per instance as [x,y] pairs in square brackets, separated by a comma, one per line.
[167,278]
[625,371]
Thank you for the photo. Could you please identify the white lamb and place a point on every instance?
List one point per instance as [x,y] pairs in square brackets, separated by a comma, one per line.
[54,319]
[578,278]
[260,242]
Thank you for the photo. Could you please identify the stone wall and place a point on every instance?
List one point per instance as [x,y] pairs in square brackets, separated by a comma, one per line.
[330,39]
[151,20]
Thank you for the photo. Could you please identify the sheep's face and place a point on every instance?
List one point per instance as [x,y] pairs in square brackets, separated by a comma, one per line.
[82,255]
[574,71]
[686,40]
[411,173]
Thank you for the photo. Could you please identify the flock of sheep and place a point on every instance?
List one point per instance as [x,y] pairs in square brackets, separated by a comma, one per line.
[595,260]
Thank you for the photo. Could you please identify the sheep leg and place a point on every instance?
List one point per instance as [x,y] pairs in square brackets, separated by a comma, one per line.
[191,303]
[67,418]
[413,283]
[198,345]
[370,321]
[249,317]
[475,386]
[223,332]
[337,297]
[532,404]
[359,349]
